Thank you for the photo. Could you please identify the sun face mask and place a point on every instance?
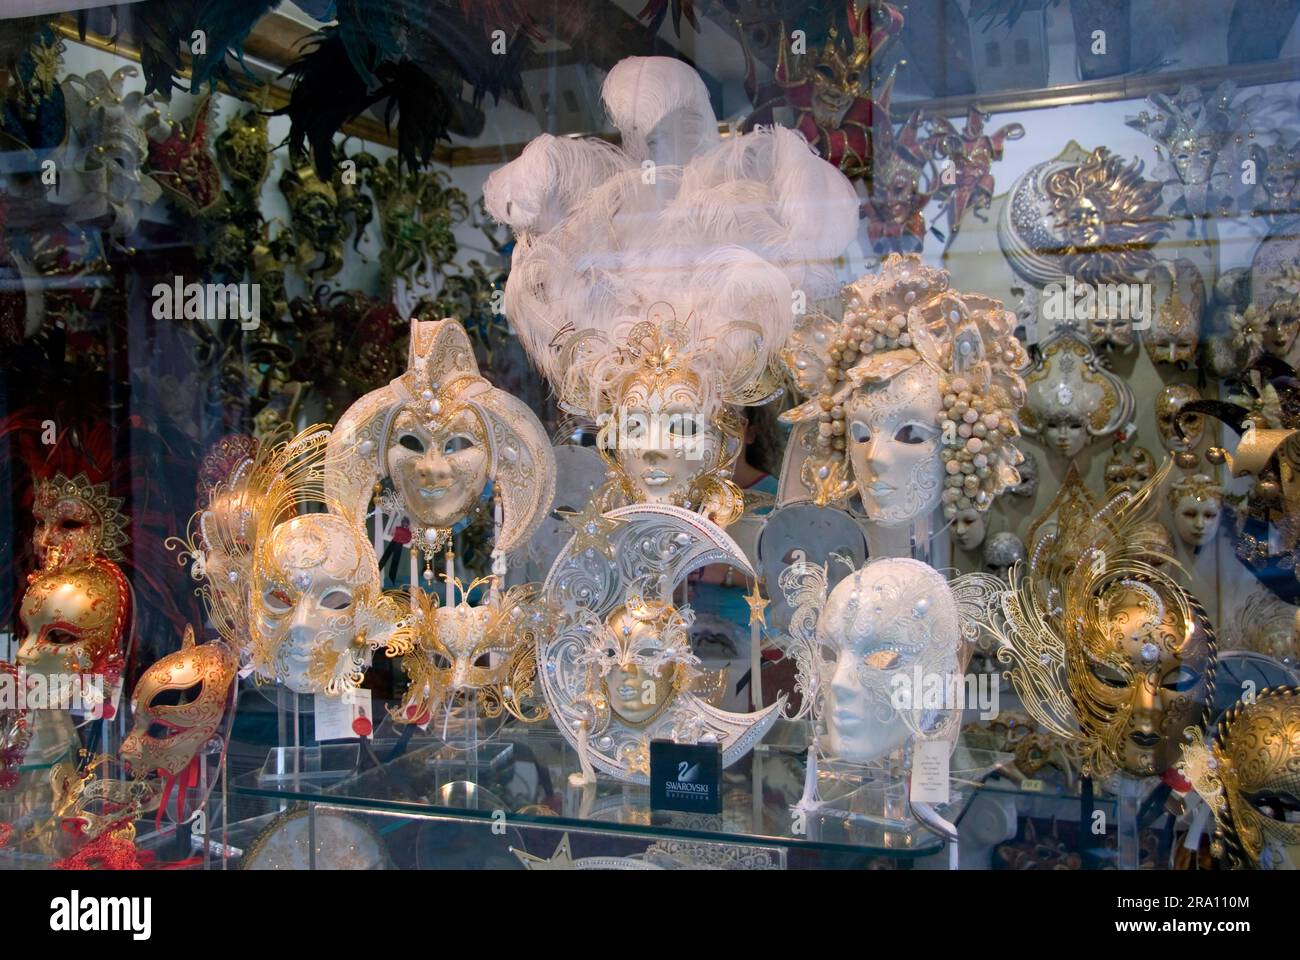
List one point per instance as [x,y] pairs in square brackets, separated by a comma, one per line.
[178,705]
[1247,775]
[432,440]
[614,656]
[915,396]
[1072,400]
[76,619]
[76,520]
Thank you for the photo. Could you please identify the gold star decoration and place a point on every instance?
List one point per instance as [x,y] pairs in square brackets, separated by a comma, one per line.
[757,606]
[561,859]
[592,530]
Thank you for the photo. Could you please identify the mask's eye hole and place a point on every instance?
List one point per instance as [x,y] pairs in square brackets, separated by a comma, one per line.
[161,731]
[683,427]
[1281,807]
[439,661]
[71,524]
[177,696]
[882,659]
[1109,675]
[60,637]
[911,433]
[336,600]
[411,442]
[457,443]
[1180,680]
[484,661]
[859,431]
[278,600]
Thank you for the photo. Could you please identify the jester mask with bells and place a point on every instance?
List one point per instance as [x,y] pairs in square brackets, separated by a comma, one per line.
[487,651]
[1249,774]
[1108,649]
[76,618]
[1072,399]
[614,654]
[432,439]
[317,611]
[654,283]
[178,705]
[914,396]
[894,624]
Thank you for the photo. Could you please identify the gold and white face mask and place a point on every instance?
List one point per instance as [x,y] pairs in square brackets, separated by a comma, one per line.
[433,439]
[1249,774]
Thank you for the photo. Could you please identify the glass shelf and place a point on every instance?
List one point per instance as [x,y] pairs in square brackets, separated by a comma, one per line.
[528,773]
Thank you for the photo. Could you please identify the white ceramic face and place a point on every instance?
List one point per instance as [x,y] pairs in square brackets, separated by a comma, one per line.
[888,621]
[662,440]
[894,445]
[313,583]
[969,529]
[1067,434]
[1197,519]
[439,468]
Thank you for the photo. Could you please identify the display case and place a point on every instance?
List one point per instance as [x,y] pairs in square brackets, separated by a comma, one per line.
[695,434]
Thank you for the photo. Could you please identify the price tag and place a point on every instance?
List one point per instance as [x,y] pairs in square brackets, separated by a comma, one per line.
[347,717]
[1031,786]
[930,771]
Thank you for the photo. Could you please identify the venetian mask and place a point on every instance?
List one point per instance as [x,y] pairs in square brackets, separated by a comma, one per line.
[317,609]
[1002,551]
[891,618]
[1178,300]
[1169,401]
[1196,503]
[1110,331]
[1127,469]
[1248,776]
[1028,470]
[1153,542]
[76,520]
[614,655]
[915,396]
[1267,625]
[969,529]
[178,704]
[76,619]
[1143,673]
[1280,325]
[1072,400]
[487,650]
[434,437]
[894,446]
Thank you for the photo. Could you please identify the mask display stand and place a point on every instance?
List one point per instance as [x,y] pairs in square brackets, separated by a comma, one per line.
[1128,794]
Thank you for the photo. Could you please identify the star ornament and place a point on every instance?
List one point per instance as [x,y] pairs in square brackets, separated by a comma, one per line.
[757,606]
[561,859]
[592,530]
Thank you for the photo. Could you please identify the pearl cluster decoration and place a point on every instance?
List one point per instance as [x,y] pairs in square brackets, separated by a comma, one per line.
[907,314]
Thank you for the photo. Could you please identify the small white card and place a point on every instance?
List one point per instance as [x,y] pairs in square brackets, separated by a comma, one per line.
[930,771]
[347,717]
[1031,786]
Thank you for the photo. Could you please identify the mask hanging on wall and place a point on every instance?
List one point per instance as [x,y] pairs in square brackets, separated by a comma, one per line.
[1072,400]
[1128,468]
[1196,503]
[1177,303]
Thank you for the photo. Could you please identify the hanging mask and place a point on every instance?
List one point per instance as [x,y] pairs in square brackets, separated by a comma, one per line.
[434,437]
[1169,401]
[1071,399]
[178,705]
[75,521]
[1247,775]
[1196,503]
[969,529]
[76,619]
[614,656]
[1128,469]
[1177,303]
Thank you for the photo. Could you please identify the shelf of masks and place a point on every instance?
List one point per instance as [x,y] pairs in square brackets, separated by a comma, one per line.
[526,778]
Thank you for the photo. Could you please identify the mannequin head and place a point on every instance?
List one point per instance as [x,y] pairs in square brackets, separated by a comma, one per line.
[890,618]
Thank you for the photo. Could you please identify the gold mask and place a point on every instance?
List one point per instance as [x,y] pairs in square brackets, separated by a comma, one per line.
[76,520]
[178,704]
[76,620]
[1250,777]
[1127,469]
